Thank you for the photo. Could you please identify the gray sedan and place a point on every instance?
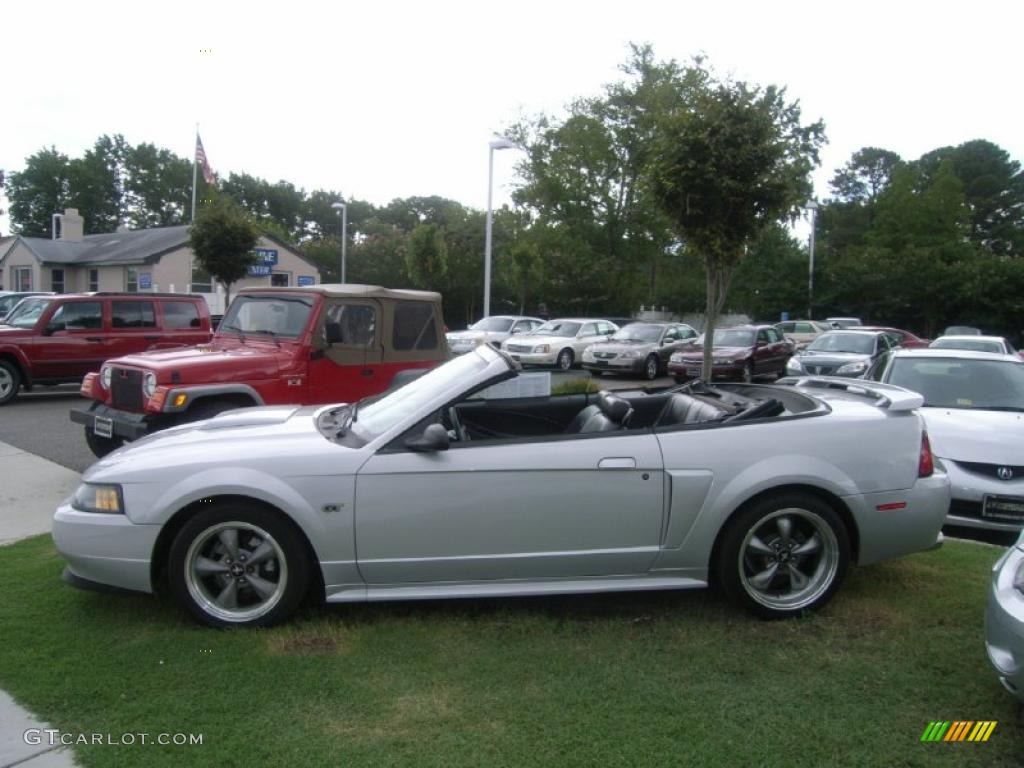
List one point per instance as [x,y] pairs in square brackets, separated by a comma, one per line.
[475,481]
[1004,619]
[638,348]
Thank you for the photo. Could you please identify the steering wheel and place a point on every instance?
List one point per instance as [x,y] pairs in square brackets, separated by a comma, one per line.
[452,417]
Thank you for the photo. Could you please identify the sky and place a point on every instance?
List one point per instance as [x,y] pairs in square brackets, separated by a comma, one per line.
[394,99]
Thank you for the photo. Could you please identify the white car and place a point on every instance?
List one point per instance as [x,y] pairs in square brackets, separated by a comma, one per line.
[974,409]
[490,330]
[469,482]
[1004,619]
[996,344]
[558,342]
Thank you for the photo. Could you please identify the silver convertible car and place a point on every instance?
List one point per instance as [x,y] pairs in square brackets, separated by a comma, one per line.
[475,481]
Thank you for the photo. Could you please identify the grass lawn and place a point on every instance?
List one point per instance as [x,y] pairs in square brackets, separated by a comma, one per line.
[667,679]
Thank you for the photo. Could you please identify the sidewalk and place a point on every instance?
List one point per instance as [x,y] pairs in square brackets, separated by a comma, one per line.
[31,490]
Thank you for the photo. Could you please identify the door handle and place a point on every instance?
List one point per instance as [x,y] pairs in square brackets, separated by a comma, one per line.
[152,338]
[94,338]
[366,372]
[618,462]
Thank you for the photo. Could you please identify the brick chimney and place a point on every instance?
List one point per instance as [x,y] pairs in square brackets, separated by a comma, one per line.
[72,226]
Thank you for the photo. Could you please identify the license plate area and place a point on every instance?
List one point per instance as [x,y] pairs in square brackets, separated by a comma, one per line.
[1008,509]
[103,426]
[695,372]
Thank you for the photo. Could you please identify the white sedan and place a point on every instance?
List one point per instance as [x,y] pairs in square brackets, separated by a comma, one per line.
[490,330]
[558,342]
[455,486]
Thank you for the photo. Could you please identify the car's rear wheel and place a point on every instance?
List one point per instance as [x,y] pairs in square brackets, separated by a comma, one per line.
[101,446]
[565,359]
[10,381]
[651,368]
[783,555]
[237,565]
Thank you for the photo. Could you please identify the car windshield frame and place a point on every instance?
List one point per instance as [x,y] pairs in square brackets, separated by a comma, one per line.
[557,328]
[624,334]
[484,323]
[979,385]
[22,308]
[843,343]
[230,325]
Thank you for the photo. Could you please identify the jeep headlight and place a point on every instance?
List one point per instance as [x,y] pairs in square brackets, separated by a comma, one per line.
[93,497]
[858,367]
[542,348]
[106,376]
[149,384]
[793,364]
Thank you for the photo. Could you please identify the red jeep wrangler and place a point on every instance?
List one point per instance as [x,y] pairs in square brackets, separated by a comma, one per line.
[317,344]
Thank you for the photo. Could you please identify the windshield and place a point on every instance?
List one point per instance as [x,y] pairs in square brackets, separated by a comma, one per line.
[730,337]
[638,332]
[27,313]
[953,383]
[557,328]
[377,417]
[976,345]
[272,315]
[854,343]
[492,324]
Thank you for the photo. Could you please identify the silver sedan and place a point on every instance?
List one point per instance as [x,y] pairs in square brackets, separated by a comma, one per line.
[1004,619]
[475,481]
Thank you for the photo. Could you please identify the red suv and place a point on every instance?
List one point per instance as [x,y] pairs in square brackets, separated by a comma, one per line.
[316,344]
[59,339]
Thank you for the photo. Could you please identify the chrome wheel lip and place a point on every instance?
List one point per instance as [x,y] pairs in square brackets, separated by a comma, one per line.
[206,601]
[825,570]
[6,382]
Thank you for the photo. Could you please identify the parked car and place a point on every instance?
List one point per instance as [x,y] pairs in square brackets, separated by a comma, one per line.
[9,300]
[744,352]
[558,342]
[841,353]
[441,489]
[1004,619]
[974,409]
[490,330]
[638,348]
[997,344]
[59,339]
[802,332]
[315,344]
[962,330]
[899,337]
[843,322]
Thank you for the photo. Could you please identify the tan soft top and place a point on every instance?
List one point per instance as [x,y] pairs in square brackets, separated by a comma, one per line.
[352,290]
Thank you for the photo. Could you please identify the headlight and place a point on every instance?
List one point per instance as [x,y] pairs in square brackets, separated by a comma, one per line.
[632,353]
[587,354]
[149,384]
[106,375]
[98,498]
[794,365]
[858,367]
[676,357]
[542,348]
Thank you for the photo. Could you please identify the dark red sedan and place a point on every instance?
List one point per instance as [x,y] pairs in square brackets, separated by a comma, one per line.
[900,338]
[740,353]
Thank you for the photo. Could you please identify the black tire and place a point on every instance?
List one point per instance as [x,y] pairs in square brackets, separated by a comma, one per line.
[565,359]
[680,379]
[10,381]
[207,596]
[101,446]
[754,551]
[651,366]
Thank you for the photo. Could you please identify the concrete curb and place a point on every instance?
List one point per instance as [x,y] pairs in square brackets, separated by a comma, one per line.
[32,490]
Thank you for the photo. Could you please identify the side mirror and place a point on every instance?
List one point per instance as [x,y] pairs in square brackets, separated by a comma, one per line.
[332,332]
[434,438]
[516,330]
[51,329]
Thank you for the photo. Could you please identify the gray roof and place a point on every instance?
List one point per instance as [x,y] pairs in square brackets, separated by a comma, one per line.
[350,290]
[143,246]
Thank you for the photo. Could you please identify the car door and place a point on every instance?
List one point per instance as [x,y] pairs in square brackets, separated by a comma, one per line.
[346,351]
[72,341]
[132,327]
[588,334]
[536,508]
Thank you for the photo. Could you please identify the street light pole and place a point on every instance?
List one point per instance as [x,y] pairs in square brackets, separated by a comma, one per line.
[344,234]
[500,142]
[812,208]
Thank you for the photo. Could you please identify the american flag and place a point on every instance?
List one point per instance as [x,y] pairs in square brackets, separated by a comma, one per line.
[208,173]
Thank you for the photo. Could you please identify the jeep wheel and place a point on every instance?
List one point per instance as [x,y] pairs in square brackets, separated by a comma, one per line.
[10,382]
[101,446]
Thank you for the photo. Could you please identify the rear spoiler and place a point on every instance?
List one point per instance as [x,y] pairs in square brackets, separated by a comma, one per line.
[886,396]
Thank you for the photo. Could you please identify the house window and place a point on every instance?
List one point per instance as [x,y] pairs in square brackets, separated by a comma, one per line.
[94,279]
[57,280]
[280,279]
[201,280]
[21,278]
[131,279]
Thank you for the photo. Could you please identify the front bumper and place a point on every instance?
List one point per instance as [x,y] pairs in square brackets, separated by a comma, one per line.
[105,549]
[534,358]
[1004,623]
[616,365]
[969,492]
[688,369]
[130,426]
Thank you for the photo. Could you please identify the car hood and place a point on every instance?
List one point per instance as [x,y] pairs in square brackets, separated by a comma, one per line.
[477,335]
[282,440]
[966,434]
[10,332]
[622,346]
[833,358]
[528,339]
[697,351]
[237,361]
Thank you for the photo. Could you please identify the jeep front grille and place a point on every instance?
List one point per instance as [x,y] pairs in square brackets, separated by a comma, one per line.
[126,389]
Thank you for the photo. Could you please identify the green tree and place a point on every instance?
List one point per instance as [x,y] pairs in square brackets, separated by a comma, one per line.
[865,176]
[42,189]
[772,279]
[730,162]
[158,188]
[223,238]
[426,258]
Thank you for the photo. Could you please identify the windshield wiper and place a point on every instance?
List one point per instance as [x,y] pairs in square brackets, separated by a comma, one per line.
[268,333]
[241,336]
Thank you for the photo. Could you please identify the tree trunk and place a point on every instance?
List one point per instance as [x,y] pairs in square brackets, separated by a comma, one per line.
[719,275]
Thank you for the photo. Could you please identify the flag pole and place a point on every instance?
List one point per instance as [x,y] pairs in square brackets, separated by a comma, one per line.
[194,164]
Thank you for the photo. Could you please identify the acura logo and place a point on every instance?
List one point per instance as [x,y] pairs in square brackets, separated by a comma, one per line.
[1005,473]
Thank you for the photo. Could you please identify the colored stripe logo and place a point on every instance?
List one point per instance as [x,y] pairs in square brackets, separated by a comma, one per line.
[959,730]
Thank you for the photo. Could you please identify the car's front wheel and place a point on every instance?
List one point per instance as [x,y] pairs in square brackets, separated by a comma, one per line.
[747,374]
[783,555]
[238,565]
[10,381]
[101,446]
[651,368]
[565,360]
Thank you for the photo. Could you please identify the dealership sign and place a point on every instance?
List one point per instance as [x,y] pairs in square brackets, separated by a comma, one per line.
[266,259]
